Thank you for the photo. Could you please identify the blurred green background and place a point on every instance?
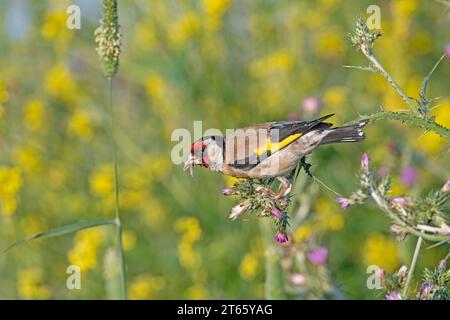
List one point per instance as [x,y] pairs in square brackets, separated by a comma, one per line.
[228,63]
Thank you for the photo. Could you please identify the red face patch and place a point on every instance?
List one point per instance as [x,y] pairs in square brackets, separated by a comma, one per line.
[197,150]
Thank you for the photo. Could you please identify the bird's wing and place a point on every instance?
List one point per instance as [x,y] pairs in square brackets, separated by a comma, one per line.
[247,147]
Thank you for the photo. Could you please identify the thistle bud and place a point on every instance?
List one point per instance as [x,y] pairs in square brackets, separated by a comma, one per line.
[442,264]
[425,291]
[276,213]
[281,237]
[344,202]
[394,296]
[365,161]
[227,191]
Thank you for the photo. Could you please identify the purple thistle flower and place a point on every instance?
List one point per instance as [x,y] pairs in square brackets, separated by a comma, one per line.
[446,186]
[442,264]
[394,296]
[276,213]
[312,104]
[447,50]
[319,256]
[400,202]
[425,290]
[408,176]
[227,191]
[344,202]
[281,237]
[365,160]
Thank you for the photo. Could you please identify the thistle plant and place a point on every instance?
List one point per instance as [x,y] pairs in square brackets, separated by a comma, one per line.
[364,39]
[255,196]
[434,285]
[424,217]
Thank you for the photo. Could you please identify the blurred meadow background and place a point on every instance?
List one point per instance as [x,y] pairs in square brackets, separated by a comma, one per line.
[228,63]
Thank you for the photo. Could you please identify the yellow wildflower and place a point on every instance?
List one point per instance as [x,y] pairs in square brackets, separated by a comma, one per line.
[31,286]
[10,184]
[381,251]
[34,114]
[249,266]
[80,124]
[59,83]
[102,182]
[184,28]
[84,252]
[3,92]
[54,27]
[302,233]
[335,97]
[145,287]
[128,240]
[330,45]
[197,292]
[28,159]
[189,258]
[403,8]
[214,10]
[277,62]
[156,86]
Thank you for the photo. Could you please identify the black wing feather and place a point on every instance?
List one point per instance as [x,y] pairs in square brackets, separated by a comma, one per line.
[284,130]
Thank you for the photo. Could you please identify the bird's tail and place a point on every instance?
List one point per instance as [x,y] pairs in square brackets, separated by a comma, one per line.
[350,133]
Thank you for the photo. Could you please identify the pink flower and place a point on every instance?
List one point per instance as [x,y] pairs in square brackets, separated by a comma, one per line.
[227,191]
[276,213]
[344,202]
[298,279]
[447,50]
[408,176]
[281,237]
[394,296]
[319,256]
[312,104]
[400,202]
[446,186]
[365,160]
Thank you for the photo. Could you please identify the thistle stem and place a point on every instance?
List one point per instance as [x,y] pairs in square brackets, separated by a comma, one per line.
[369,55]
[385,207]
[429,125]
[413,265]
[274,284]
[120,252]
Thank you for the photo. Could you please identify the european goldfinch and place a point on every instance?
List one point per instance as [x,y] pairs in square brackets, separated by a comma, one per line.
[268,150]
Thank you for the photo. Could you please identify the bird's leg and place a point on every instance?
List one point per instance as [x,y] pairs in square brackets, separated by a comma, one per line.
[285,189]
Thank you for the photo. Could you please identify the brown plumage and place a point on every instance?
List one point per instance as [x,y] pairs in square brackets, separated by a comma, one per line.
[270,149]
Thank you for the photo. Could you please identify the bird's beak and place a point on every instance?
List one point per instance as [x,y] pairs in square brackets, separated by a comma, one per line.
[189,164]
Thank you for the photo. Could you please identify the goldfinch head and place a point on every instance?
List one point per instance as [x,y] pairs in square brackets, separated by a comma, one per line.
[206,152]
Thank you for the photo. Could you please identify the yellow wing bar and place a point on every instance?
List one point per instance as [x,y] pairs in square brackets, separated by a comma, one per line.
[274,147]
